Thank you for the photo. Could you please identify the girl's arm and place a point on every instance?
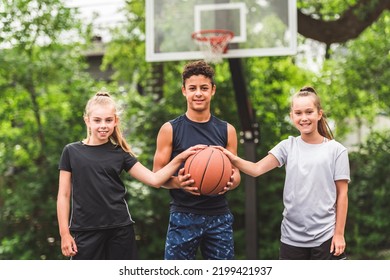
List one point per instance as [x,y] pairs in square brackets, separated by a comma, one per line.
[338,242]
[68,245]
[253,169]
[158,178]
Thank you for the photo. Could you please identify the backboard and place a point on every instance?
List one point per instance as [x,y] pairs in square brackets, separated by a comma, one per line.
[261,27]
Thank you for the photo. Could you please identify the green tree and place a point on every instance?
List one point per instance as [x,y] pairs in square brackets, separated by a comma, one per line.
[369,195]
[44,88]
[43,85]
[356,73]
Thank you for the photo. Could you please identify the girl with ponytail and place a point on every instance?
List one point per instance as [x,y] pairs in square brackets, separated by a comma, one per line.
[316,185]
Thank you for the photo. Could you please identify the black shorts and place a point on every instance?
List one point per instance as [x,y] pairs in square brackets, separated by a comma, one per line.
[322,252]
[107,244]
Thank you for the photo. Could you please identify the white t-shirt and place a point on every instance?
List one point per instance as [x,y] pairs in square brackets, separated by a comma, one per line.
[309,194]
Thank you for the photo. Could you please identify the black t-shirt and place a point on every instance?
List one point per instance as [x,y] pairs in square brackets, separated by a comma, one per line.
[98,193]
[187,133]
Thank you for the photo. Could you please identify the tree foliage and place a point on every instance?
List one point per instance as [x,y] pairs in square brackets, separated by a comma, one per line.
[357,74]
[369,195]
[43,82]
[44,88]
[338,21]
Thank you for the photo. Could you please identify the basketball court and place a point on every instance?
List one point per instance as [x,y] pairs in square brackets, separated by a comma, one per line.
[218,31]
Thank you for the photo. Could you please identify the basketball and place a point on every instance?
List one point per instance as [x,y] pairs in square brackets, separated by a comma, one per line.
[210,169]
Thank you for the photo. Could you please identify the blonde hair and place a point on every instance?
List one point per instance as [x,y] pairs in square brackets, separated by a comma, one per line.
[323,126]
[104,98]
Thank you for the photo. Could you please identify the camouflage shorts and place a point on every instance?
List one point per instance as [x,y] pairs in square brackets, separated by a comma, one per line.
[212,234]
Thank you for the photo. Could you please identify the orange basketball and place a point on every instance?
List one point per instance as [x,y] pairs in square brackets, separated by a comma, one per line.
[210,169]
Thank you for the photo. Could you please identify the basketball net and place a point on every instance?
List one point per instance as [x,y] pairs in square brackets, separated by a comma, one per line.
[213,43]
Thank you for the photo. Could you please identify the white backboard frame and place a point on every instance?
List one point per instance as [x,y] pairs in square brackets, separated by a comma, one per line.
[153,56]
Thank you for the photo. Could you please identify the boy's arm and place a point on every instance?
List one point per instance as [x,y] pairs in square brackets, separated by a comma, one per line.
[163,153]
[232,147]
[162,156]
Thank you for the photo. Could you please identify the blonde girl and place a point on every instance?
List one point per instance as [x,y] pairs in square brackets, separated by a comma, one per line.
[93,215]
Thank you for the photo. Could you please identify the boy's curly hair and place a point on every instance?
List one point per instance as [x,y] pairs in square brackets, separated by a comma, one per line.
[199,67]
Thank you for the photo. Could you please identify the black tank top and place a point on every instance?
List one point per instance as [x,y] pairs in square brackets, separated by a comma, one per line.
[187,133]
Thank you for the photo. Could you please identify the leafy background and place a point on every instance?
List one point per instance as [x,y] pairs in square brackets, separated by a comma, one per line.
[45,83]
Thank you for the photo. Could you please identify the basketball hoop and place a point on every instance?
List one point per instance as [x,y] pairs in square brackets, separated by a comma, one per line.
[213,43]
